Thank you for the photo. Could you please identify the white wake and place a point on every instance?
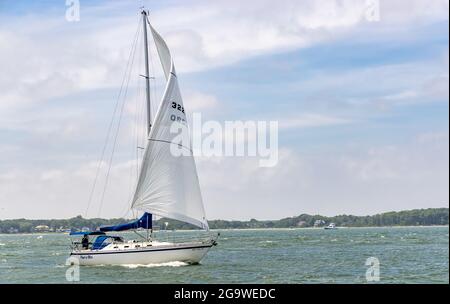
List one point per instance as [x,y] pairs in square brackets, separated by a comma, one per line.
[168,264]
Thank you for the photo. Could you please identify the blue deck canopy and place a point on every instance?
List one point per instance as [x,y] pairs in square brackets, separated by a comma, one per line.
[100,242]
[144,222]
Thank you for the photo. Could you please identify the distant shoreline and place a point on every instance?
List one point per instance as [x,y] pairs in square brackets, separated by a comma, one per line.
[251,229]
[432,217]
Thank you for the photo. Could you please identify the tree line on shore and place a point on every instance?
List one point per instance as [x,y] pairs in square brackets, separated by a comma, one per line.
[418,217]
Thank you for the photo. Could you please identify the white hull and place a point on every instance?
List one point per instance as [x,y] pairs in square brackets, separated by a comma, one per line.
[188,253]
[332,226]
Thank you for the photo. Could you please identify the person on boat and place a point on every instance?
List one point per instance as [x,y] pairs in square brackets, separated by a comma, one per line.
[85,242]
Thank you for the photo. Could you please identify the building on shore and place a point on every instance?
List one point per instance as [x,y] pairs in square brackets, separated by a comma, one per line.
[319,223]
[42,228]
[13,230]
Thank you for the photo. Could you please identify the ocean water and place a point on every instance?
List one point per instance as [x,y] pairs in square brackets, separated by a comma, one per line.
[405,255]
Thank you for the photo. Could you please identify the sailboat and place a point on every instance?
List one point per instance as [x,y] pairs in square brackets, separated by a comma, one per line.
[167,186]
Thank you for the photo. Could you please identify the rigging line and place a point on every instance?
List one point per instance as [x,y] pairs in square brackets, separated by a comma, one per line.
[109,131]
[119,123]
[135,136]
[117,130]
[141,135]
[135,132]
[113,150]
[140,121]
[134,155]
[140,108]
[137,119]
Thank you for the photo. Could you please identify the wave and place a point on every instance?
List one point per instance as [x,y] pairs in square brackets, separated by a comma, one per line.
[168,264]
[2,244]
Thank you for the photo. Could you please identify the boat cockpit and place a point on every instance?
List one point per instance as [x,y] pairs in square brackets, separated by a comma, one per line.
[99,240]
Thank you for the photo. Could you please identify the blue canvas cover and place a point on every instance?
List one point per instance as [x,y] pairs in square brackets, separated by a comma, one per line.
[100,242]
[144,222]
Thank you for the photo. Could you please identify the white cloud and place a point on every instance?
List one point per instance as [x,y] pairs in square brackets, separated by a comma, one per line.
[354,179]
[381,86]
[376,164]
[44,64]
[199,102]
[358,180]
[47,60]
[414,11]
[311,120]
[227,31]
[64,192]
[92,53]
[439,139]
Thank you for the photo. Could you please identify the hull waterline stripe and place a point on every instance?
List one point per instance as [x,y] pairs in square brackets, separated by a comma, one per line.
[140,251]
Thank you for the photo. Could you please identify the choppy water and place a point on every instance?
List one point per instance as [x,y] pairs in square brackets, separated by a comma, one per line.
[406,255]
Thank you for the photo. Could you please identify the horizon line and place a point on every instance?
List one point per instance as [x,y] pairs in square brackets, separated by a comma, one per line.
[242,220]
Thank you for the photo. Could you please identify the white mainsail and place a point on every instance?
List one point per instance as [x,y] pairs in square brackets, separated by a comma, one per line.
[168,185]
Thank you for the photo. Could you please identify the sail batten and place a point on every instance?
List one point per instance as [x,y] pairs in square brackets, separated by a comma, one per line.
[168,185]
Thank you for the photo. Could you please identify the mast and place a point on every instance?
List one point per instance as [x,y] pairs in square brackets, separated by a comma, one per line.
[147,74]
[147,86]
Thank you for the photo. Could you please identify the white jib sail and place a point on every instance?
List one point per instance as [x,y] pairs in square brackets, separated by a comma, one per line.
[168,185]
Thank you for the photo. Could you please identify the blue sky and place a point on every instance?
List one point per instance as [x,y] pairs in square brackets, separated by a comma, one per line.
[362,106]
